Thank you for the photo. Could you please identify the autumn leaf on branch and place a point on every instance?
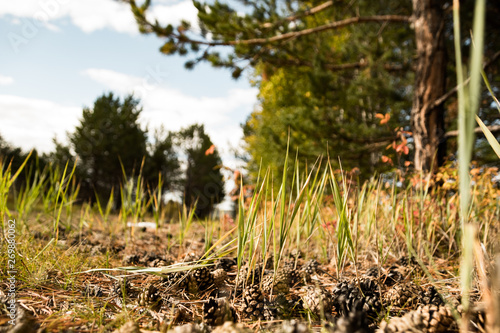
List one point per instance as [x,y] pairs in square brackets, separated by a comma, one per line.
[210,150]
[384,119]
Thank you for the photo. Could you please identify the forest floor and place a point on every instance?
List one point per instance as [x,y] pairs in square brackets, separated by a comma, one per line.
[58,289]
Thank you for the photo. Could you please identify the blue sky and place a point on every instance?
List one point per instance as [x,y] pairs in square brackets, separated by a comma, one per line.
[60,55]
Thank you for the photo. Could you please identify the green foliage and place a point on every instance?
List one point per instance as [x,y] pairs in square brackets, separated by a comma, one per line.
[337,70]
[203,180]
[107,133]
[162,166]
[323,120]
[110,143]
[15,157]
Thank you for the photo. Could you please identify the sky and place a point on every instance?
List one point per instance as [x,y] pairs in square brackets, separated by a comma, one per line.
[58,56]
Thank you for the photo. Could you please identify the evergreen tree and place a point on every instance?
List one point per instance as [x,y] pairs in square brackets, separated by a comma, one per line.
[351,38]
[203,180]
[162,160]
[15,158]
[107,138]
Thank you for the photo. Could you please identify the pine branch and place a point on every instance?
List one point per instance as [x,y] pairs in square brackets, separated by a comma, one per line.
[330,26]
[292,18]
[477,130]
[452,91]
[283,37]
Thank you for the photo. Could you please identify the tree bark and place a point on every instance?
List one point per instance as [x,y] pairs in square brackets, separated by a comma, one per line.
[427,119]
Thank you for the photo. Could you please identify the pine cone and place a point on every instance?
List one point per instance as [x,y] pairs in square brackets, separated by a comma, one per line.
[203,278]
[431,296]
[253,303]
[121,289]
[149,296]
[217,311]
[404,295]
[92,290]
[131,259]
[394,275]
[406,261]
[310,268]
[219,277]
[426,319]
[374,272]
[279,284]
[359,294]
[289,269]
[355,322]
[178,280]
[245,279]
[317,300]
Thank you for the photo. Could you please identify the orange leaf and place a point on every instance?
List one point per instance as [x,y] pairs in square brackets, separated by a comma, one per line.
[475,171]
[379,116]
[210,150]
[406,150]
[407,163]
[386,159]
[386,119]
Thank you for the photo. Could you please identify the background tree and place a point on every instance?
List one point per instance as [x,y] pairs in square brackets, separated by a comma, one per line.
[162,160]
[108,135]
[270,34]
[203,180]
[332,110]
[15,157]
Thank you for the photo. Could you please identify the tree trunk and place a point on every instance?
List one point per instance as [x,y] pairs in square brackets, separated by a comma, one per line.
[430,78]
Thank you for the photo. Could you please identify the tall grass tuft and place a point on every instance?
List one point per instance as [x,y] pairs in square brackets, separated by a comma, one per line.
[7,179]
[30,193]
[345,244]
[64,198]
[468,103]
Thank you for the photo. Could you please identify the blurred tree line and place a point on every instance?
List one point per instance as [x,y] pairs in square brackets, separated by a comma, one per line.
[110,147]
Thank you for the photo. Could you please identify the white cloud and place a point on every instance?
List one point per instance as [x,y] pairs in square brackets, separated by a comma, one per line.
[32,123]
[173,14]
[6,80]
[175,109]
[92,15]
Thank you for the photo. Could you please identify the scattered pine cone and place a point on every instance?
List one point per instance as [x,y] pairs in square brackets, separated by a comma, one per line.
[203,278]
[404,295]
[359,294]
[92,290]
[290,269]
[150,296]
[317,300]
[310,268]
[431,296]
[178,280]
[394,275]
[278,284]
[426,319]
[217,311]
[355,322]
[253,303]
[245,279]
[219,277]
